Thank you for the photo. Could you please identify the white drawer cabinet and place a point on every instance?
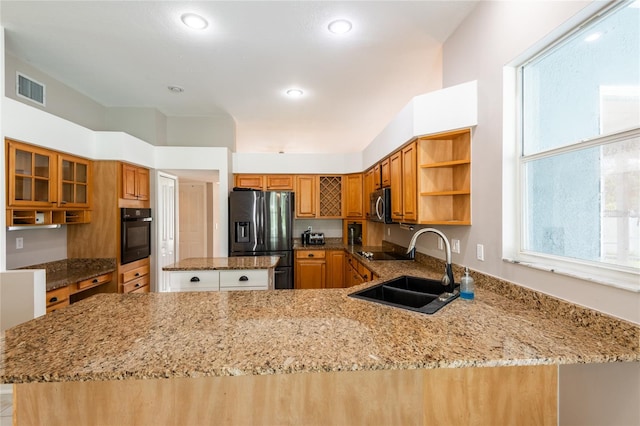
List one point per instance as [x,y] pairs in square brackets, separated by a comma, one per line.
[244,279]
[194,281]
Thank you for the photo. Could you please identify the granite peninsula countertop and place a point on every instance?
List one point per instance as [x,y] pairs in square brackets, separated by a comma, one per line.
[215,263]
[63,272]
[288,331]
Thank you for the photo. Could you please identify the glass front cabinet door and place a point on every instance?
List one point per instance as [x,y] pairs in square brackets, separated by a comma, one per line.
[74,182]
[31,176]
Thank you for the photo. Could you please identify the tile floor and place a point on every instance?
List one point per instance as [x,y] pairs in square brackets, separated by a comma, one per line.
[6,409]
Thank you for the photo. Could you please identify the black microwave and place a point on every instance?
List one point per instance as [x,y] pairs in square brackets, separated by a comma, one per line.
[135,234]
[380,206]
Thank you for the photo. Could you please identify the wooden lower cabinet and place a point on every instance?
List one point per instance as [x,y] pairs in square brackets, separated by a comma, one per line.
[335,269]
[64,296]
[520,395]
[134,277]
[310,269]
[57,299]
[329,269]
[355,272]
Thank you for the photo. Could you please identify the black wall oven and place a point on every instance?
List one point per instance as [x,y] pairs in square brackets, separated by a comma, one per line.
[135,234]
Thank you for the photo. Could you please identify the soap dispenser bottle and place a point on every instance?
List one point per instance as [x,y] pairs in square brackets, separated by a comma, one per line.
[466,285]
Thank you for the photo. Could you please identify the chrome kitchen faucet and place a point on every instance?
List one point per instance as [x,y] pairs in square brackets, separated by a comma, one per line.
[447,279]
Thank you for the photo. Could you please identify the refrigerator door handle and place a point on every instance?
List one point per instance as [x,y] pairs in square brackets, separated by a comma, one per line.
[261,219]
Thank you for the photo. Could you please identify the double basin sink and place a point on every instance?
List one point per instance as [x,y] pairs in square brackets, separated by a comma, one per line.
[415,294]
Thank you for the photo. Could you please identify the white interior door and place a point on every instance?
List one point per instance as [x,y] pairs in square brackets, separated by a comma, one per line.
[166,228]
[192,240]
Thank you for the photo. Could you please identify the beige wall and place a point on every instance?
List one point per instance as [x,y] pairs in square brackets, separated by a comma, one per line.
[61,100]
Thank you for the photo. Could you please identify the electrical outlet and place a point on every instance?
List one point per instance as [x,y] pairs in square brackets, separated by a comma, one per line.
[456,246]
[480,252]
[19,243]
[440,244]
[388,231]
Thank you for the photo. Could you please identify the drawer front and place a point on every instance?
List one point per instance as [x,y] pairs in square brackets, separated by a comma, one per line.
[57,296]
[249,279]
[135,273]
[310,254]
[133,286]
[144,289]
[91,282]
[56,306]
[195,281]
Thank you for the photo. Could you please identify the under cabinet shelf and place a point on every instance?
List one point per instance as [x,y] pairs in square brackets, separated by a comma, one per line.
[46,218]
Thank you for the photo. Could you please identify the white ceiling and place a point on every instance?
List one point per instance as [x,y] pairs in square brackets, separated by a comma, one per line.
[126,54]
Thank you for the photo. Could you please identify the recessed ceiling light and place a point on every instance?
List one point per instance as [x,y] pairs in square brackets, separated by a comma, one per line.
[175,89]
[593,37]
[340,26]
[194,21]
[294,93]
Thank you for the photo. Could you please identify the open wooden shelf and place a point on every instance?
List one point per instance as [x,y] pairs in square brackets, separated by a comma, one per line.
[29,217]
[444,180]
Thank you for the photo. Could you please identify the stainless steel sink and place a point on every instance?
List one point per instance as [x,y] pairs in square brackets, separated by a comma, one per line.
[412,293]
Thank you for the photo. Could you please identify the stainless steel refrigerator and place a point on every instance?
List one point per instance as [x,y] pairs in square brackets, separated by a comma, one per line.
[261,224]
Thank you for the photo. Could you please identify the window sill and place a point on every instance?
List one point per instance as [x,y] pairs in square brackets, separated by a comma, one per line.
[632,286]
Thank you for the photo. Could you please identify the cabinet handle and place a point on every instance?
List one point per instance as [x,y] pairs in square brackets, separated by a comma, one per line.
[63,202]
[310,255]
[195,279]
[137,274]
[244,278]
[53,299]
[137,284]
[95,280]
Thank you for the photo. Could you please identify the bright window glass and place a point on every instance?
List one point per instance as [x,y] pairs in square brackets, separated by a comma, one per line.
[580,145]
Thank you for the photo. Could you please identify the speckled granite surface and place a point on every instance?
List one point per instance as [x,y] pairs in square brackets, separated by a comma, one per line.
[213,263]
[68,271]
[284,331]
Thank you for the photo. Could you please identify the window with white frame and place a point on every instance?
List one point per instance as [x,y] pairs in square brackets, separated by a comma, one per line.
[579,158]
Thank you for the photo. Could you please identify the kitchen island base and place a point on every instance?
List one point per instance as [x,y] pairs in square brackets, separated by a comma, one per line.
[443,396]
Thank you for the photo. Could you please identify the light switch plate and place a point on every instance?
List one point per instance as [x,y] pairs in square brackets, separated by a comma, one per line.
[480,252]
[19,243]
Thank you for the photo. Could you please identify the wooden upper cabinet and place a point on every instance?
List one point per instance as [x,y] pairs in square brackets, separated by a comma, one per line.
[409,183]
[265,182]
[135,182]
[369,185]
[31,176]
[385,173]
[395,173]
[444,184]
[143,184]
[330,196]
[250,181]
[354,203]
[306,196]
[39,177]
[74,181]
[377,176]
[280,182]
